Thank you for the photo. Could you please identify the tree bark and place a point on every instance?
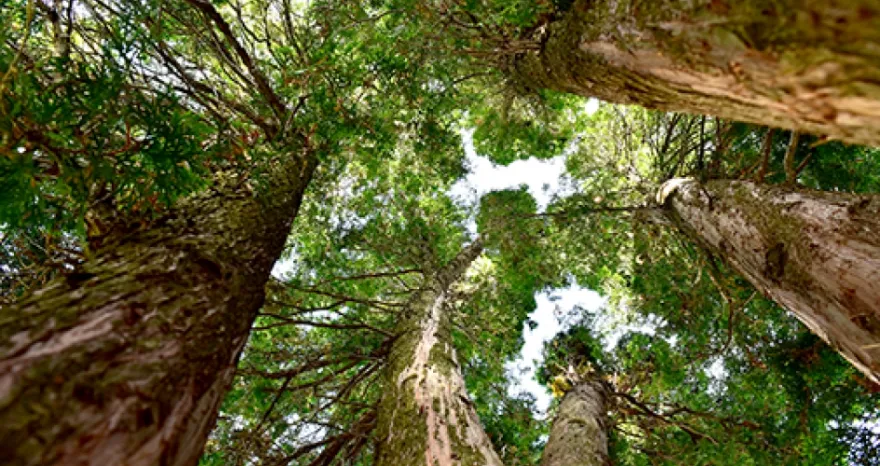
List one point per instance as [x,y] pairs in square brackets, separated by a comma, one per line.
[812,66]
[579,436]
[126,360]
[425,416]
[816,254]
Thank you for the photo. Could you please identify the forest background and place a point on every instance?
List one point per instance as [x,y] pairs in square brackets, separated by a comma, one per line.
[158,158]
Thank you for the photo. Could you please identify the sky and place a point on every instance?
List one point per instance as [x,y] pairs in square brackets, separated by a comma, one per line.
[543,178]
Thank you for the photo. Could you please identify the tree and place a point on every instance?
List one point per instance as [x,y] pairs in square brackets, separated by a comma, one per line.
[661,276]
[580,428]
[647,397]
[395,259]
[136,341]
[762,230]
[814,253]
[425,409]
[131,320]
[803,67]
[117,344]
[808,67]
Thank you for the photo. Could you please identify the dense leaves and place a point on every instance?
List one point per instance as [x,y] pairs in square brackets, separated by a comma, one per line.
[140,103]
[715,374]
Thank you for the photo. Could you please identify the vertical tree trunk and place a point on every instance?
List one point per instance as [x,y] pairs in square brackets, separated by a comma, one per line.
[126,361]
[425,416]
[579,436]
[807,65]
[816,254]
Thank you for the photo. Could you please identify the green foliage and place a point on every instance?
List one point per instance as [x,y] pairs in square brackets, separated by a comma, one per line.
[516,127]
[84,143]
[510,227]
[511,424]
[152,99]
[723,376]
[578,349]
[507,221]
[73,133]
[508,18]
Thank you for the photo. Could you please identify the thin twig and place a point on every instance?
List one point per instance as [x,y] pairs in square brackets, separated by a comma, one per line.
[790,170]
[766,148]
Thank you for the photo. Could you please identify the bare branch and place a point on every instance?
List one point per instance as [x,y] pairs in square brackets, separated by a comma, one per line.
[765,155]
[790,171]
[262,83]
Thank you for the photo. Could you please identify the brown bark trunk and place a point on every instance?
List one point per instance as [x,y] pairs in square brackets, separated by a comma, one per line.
[579,436]
[426,417]
[126,361]
[816,254]
[811,65]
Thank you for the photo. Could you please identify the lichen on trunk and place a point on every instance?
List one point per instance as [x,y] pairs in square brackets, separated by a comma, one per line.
[126,360]
[810,66]
[425,416]
[579,436]
[816,254]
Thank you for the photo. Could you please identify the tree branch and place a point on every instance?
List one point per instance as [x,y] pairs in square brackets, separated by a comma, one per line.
[790,171]
[262,83]
[694,434]
[766,148]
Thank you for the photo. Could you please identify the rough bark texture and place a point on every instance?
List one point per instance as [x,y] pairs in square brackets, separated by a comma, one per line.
[816,254]
[579,436]
[426,417]
[810,65]
[126,361]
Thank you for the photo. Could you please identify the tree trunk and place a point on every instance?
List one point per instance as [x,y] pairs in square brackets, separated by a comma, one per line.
[808,65]
[579,436]
[816,254]
[126,361]
[425,416]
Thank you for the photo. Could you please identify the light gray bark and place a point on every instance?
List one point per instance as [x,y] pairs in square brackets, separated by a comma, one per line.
[817,254]
[579,436]
[425,416]
[808,65]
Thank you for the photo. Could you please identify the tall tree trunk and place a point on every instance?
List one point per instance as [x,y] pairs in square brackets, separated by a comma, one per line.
[579,436]
[425,416]
[126,361]
[809,65]
[816,254]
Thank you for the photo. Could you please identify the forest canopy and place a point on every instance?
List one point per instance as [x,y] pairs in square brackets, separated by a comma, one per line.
[233,232]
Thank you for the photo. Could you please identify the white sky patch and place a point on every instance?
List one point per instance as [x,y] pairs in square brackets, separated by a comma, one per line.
[541,176]
[591,105]
[544,178]
[616,324]
[549,316]
[283,266]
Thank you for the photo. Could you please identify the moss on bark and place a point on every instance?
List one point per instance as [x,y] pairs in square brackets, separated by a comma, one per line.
[425,416]
[817,254]
[810,66]
[126,360]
